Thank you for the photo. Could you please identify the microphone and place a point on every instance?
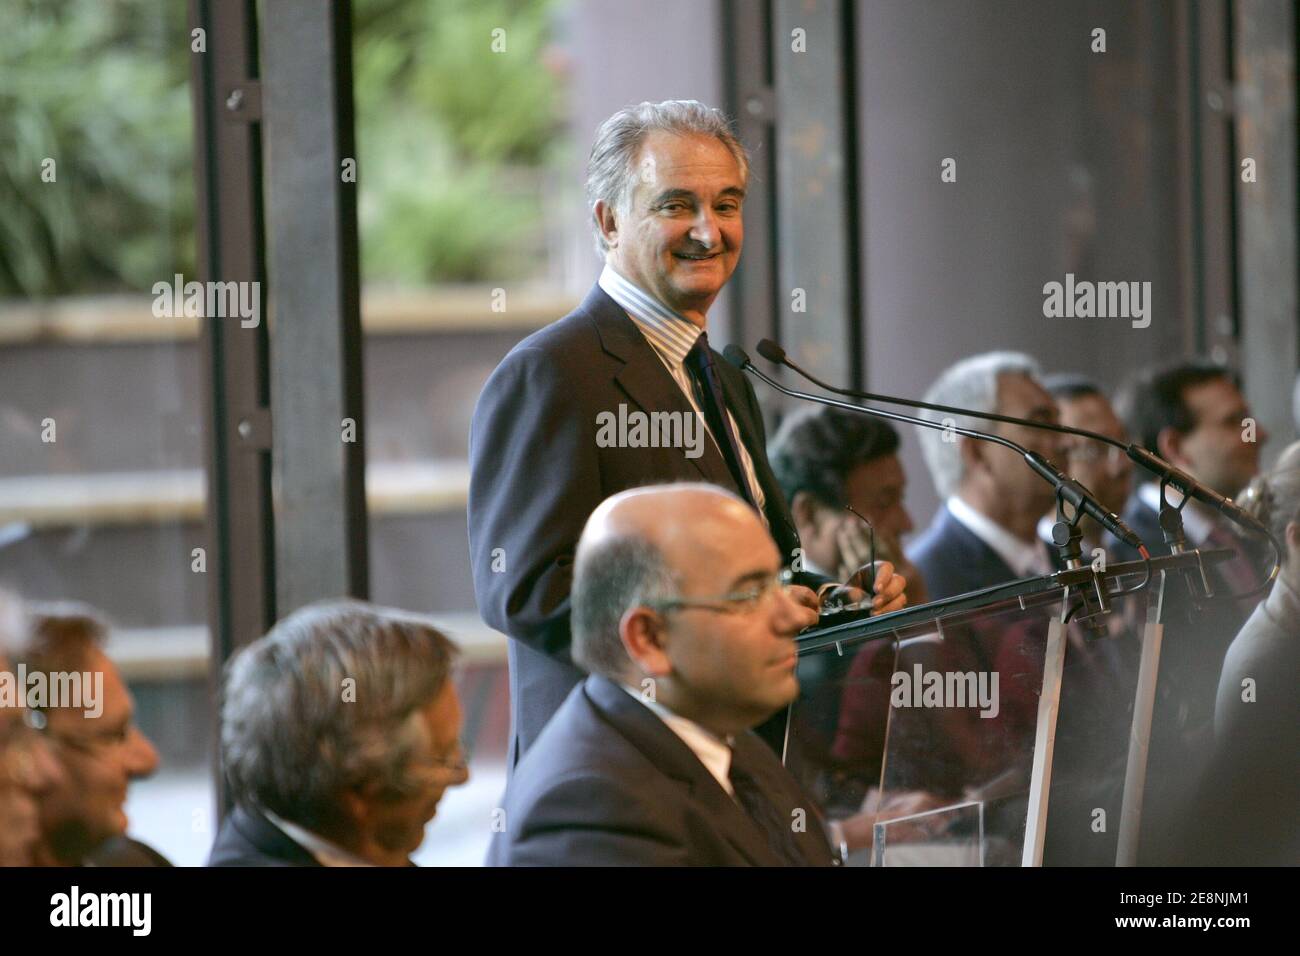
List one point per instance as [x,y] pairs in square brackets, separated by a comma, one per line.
[1188,486]
[1079,497]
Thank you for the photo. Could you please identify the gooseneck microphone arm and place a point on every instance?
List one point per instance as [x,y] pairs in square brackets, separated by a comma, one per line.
[777,356]
[1188,486]
[1066,487]
[1169,475]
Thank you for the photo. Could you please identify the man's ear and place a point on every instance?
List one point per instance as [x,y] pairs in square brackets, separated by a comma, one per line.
[803,508]
[644,634]
[606,222]
[1169,445]
[972,454]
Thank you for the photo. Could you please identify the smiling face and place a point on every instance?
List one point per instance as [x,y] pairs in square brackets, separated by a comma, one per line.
[680,237]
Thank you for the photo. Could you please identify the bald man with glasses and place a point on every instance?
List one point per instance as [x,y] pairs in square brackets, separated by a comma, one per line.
[685,623]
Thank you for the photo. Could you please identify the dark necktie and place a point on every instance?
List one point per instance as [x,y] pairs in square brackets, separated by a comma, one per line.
[699,363]
[777,829]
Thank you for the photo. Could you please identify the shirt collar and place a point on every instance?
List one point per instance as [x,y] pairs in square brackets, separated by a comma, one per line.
[712,750]
[1024,558]
[325,852]
[670,333]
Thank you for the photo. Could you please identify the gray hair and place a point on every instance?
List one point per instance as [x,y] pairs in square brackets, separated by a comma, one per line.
[293,740]
[611,167]
[609,577]
[1273,497]
[971,383]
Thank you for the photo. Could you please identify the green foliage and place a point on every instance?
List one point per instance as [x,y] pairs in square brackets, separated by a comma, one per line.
[100,87]
[453,140]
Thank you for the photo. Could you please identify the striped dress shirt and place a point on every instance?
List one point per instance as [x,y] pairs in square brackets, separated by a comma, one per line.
[672,336]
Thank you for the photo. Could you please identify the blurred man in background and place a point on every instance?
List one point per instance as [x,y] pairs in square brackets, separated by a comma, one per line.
[829,461]
[986,530]
[1104,470]
[1192,414]
[340,732]
[83,820]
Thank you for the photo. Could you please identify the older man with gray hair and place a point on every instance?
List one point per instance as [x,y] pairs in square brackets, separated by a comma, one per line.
[624,391]
[985,531]
[340,732]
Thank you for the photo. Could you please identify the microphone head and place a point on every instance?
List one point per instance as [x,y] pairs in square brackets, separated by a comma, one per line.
[771,351]
[736,356]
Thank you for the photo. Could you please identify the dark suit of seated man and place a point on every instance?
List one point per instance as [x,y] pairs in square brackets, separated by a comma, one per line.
[682,620]
[339,735]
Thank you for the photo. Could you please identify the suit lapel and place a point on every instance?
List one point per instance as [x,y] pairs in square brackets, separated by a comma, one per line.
[644,379]
[268,839]
[986,566]
[669,753]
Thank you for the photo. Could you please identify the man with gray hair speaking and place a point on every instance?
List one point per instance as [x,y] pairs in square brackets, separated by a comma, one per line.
[665,187]
[340,732]
[682,616]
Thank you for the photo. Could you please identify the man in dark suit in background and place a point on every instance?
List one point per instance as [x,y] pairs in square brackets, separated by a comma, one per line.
[682,618]
[1192,414]
[985,532]
[622,392]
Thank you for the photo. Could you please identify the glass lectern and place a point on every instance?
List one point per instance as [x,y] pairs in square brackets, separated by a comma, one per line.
[996,728]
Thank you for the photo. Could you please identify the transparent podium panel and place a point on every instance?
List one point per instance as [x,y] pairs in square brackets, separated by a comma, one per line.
[920,739]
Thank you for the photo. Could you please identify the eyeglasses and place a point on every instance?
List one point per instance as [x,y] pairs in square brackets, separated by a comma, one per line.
[738,602]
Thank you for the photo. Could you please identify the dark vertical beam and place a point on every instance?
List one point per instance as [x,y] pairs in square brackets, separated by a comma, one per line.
[1265,113]
[746,29]
[1187,173]
[317,430]
[240,560]
[227,176]
[811,55]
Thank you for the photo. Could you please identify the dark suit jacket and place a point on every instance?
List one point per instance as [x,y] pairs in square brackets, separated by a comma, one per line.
[247,838]
[124,851]
[537,474]
[608,783]
[953,560]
